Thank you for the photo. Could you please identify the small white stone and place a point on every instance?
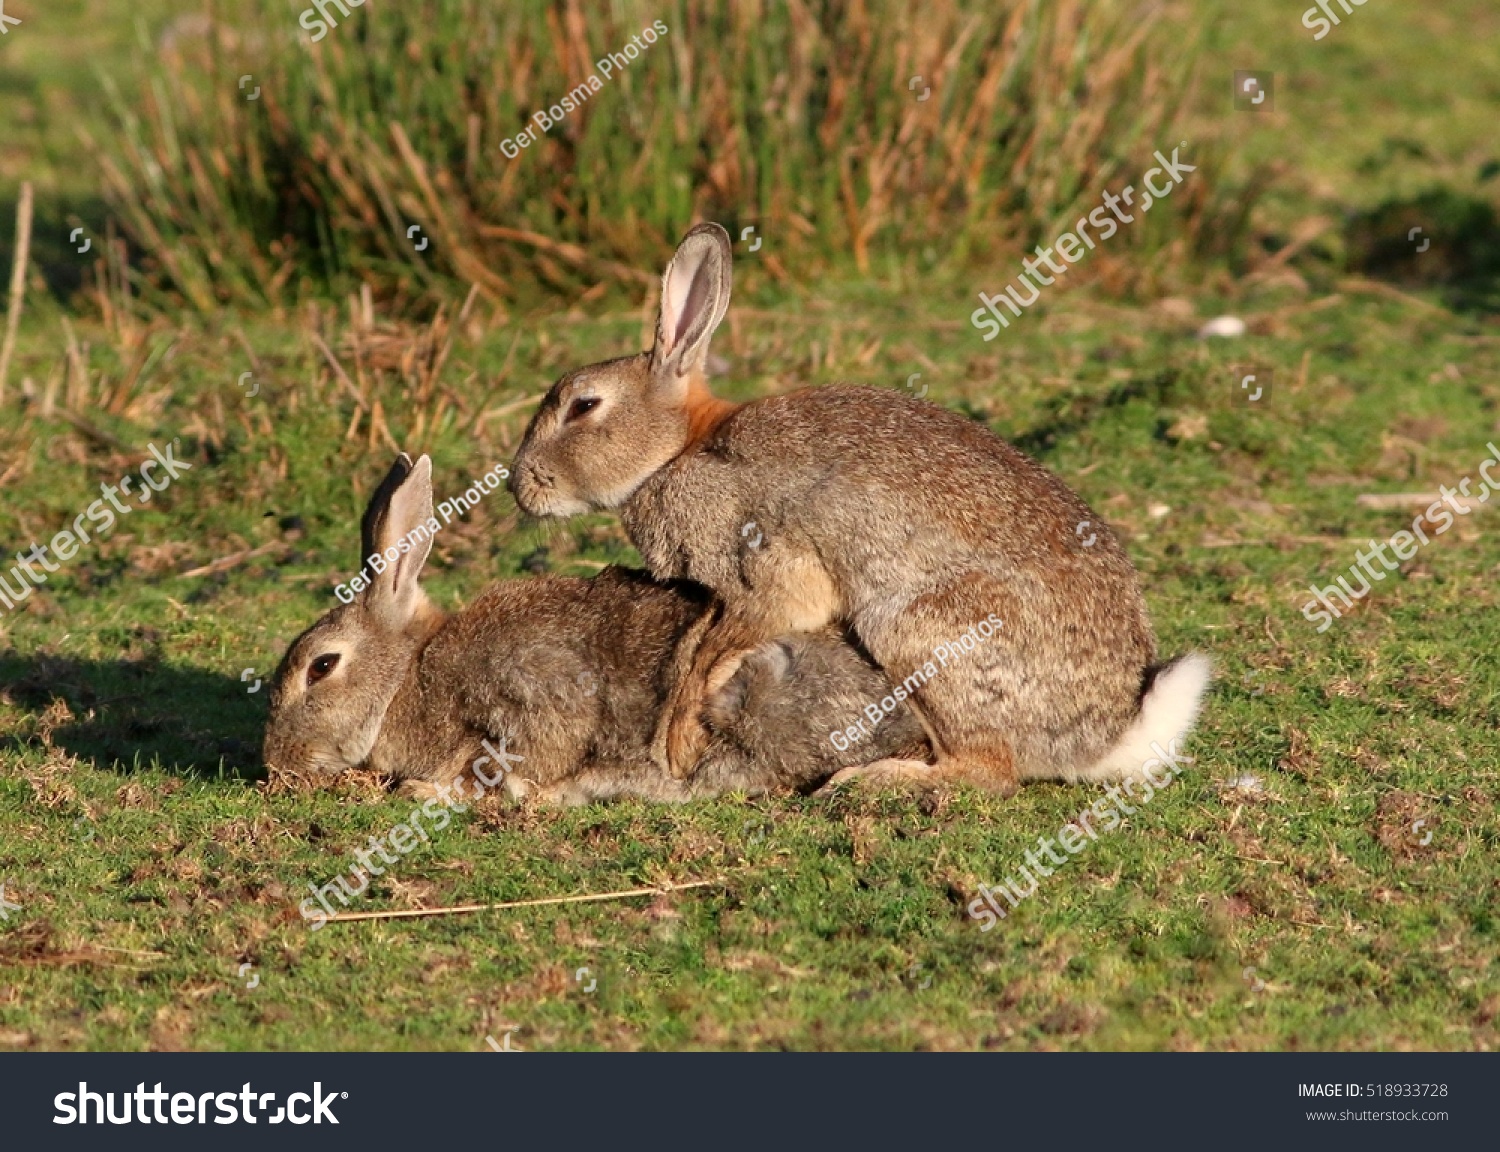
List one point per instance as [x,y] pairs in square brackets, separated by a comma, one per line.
[1157,511]
[1226,326]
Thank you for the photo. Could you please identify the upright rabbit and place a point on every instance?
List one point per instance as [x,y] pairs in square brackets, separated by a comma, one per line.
[571,673]
[863,506]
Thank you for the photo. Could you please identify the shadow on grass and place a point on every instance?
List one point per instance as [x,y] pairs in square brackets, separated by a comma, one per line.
[1069,413]
[1441,238]
[123,715]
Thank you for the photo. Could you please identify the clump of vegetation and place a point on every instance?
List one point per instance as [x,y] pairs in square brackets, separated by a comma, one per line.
[961,128]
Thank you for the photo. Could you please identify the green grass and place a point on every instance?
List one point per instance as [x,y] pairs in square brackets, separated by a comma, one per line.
[1364,937]
[150,863]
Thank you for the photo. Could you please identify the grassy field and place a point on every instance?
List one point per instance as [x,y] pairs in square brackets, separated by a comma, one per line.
[1324,875]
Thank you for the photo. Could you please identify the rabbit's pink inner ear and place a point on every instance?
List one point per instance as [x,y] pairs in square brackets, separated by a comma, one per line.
[694,298]
[689,296]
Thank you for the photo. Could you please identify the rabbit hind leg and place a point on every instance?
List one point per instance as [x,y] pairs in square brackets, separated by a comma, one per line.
[991,771]
[795,594]
[680,737]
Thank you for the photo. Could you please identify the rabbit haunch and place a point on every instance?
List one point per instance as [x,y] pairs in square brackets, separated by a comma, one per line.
[878,710]
[889,515]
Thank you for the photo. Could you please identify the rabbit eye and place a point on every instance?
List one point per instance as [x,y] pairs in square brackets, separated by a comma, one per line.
[582,407]
[321,667]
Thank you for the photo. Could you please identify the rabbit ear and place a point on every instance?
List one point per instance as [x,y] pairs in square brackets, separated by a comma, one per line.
[694,298]
[380,503]
[396,537]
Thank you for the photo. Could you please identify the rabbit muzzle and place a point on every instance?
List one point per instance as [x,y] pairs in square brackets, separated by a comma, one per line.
[299,757]
[537,493]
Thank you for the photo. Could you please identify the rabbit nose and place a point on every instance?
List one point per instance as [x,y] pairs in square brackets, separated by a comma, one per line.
[543,479]
[530,485]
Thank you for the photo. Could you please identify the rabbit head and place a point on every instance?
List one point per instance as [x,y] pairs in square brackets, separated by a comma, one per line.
[336,681]
[603,430]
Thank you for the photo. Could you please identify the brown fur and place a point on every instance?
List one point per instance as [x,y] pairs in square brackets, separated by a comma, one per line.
[572,673]
[893,516]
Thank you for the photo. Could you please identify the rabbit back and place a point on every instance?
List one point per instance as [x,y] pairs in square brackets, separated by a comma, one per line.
[570,671]
[913,523]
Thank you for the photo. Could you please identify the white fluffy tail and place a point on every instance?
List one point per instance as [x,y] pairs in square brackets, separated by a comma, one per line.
[1167,713]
